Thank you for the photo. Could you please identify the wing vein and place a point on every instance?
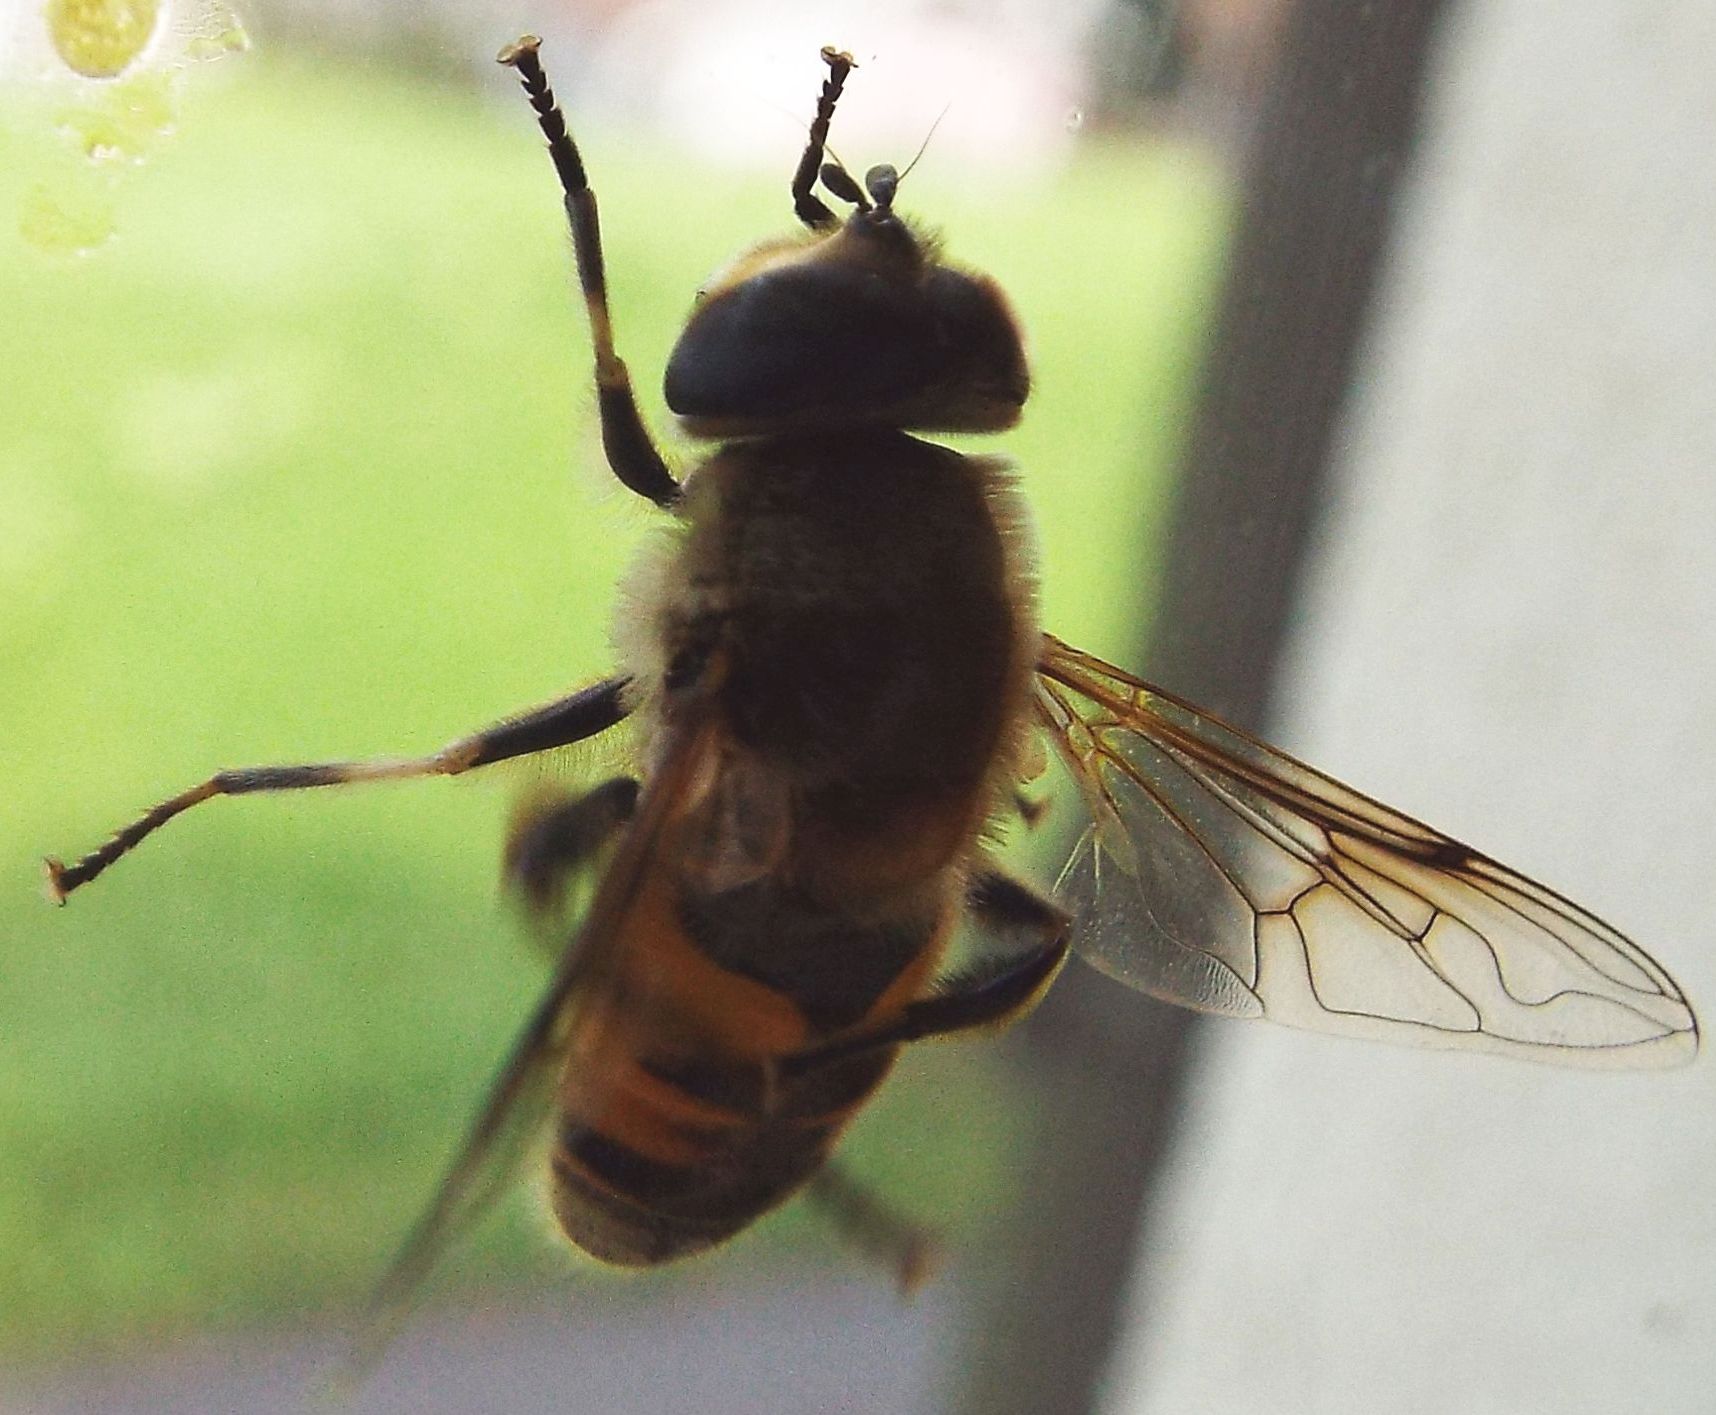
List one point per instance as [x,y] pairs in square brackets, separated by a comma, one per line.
[1216,834]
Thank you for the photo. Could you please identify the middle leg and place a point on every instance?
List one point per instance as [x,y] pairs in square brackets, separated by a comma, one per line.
[553,840]
[571,719]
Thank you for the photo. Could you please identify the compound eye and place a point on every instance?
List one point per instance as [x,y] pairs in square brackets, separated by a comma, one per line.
[798,342]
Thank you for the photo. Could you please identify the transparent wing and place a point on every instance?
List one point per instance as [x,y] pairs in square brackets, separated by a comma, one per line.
[522,1094]
[1223,875]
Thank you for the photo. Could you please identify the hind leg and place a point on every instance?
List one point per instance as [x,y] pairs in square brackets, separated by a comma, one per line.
[875,1229]
[990,995]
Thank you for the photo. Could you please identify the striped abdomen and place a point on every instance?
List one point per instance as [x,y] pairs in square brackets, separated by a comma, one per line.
[669,1140]
[868,602]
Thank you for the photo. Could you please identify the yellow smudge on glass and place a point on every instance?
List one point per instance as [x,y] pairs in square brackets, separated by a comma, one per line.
[101,39]
[67,218]
[124,120]
[135,51]
[219,33]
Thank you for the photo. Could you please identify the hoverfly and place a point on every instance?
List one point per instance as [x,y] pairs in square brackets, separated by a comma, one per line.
[838,683]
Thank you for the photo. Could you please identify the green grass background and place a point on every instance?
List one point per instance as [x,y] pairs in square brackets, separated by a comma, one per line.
[302,466]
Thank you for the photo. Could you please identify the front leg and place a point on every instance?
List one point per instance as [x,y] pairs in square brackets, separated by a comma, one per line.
[631,451]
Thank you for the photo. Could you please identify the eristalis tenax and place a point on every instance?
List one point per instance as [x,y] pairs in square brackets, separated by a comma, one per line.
[838,688]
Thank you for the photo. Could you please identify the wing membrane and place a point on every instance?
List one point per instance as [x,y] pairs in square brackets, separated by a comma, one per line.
[522,1093]
[1225,876]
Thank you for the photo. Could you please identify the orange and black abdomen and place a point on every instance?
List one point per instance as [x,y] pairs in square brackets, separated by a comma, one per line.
[670,1136]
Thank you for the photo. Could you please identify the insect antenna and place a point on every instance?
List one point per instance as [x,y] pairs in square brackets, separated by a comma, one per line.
[883,181]
[923,147]
[843,184]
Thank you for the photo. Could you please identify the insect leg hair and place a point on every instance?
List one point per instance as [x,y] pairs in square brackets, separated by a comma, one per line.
[991,995]
[808,207]
[875,1228]
[557,724]
[630,450]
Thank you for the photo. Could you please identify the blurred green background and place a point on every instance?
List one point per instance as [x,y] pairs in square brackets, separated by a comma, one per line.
[301,465]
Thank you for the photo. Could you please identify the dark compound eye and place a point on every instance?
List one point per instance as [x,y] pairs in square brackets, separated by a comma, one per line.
[842,341]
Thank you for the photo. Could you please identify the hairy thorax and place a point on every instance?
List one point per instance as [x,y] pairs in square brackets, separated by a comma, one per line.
[872,601]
